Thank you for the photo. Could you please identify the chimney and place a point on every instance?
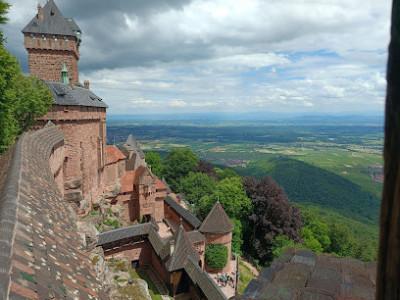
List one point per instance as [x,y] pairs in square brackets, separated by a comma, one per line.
[40,12]
[86,84]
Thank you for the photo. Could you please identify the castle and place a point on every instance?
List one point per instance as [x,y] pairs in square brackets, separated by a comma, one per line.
[63,168]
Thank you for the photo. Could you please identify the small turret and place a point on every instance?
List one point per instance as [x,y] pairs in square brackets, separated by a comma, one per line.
[64,74]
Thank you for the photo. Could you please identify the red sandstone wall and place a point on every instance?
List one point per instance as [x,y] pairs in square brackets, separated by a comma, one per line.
[47,56]
[121,168]
[141,251]
[158,268]
[200,248]
[147,194]
[159,209]
[85,141]
[176,218]
[111,173]
[56,162]
[221,239]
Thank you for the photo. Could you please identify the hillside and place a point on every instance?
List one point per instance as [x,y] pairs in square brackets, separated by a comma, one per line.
[308,184]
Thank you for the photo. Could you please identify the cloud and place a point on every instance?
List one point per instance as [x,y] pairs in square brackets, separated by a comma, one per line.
[194,55]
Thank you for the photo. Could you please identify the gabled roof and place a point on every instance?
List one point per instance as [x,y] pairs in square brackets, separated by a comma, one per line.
[133,145]
[183,248]
[182,212]
[123,233]
[167,185]
[203,280]
[217,221]
[196,236]
[113,154]
[160,185]
[65,95]
[53,22]
[142,171]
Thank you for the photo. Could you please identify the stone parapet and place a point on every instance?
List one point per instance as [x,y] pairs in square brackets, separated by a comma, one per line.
[41,250]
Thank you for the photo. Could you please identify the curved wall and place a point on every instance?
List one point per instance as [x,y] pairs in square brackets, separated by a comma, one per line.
[41,252]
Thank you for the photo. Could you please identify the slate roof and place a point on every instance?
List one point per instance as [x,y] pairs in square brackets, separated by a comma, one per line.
[217,221]
[304,275]
[41,250]
[132,144]
[181,211]
[196,236]
[167,185]
[183,248]
[203,280]
[123,233]
[65,95]
[113,154]
[53,22]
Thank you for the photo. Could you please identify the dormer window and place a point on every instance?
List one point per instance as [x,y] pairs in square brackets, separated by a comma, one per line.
[32,36]
[54,38]
[43,37]
[65,38]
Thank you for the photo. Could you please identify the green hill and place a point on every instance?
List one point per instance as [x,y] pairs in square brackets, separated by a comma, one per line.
[307,184]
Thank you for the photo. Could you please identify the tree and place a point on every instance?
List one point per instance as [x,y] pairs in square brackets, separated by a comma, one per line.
[177,164]
[281,243]
[3,11]
[155,161]
[216,256]
[273,215]
[206,168]
[22,99]
[226,173]
[237,236]
[310,241]
[232,197]
[197,185]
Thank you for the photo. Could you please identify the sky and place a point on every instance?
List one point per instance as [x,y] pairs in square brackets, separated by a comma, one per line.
[197,56]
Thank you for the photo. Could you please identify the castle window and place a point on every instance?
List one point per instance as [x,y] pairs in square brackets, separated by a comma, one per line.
[32,36]
[65,38]
[54,38]
[43,37]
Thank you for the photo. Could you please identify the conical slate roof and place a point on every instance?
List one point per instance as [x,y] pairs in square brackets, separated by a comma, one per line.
[53,22]
[217,221]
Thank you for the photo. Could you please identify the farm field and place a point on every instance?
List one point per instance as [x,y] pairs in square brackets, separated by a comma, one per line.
[351,152]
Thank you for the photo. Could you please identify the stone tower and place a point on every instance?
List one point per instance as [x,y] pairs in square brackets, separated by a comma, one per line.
[217,228]
[52,40]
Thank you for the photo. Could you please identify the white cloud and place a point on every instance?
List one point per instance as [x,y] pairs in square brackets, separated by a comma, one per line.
[227,55]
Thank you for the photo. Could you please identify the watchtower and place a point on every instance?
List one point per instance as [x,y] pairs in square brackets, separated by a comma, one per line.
[52,40]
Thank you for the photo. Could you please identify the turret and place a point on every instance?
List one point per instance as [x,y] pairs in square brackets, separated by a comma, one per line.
[217,228]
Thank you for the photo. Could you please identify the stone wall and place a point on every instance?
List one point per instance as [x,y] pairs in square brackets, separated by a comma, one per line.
[111,173]
[171,214]
[56,162]
[41,254]
[85,141]
[46,57]
[138,251]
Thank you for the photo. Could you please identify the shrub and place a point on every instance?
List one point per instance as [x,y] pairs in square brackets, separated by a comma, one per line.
[216,256]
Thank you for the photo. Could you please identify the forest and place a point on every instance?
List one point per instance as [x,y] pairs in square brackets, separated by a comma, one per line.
[265,220]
